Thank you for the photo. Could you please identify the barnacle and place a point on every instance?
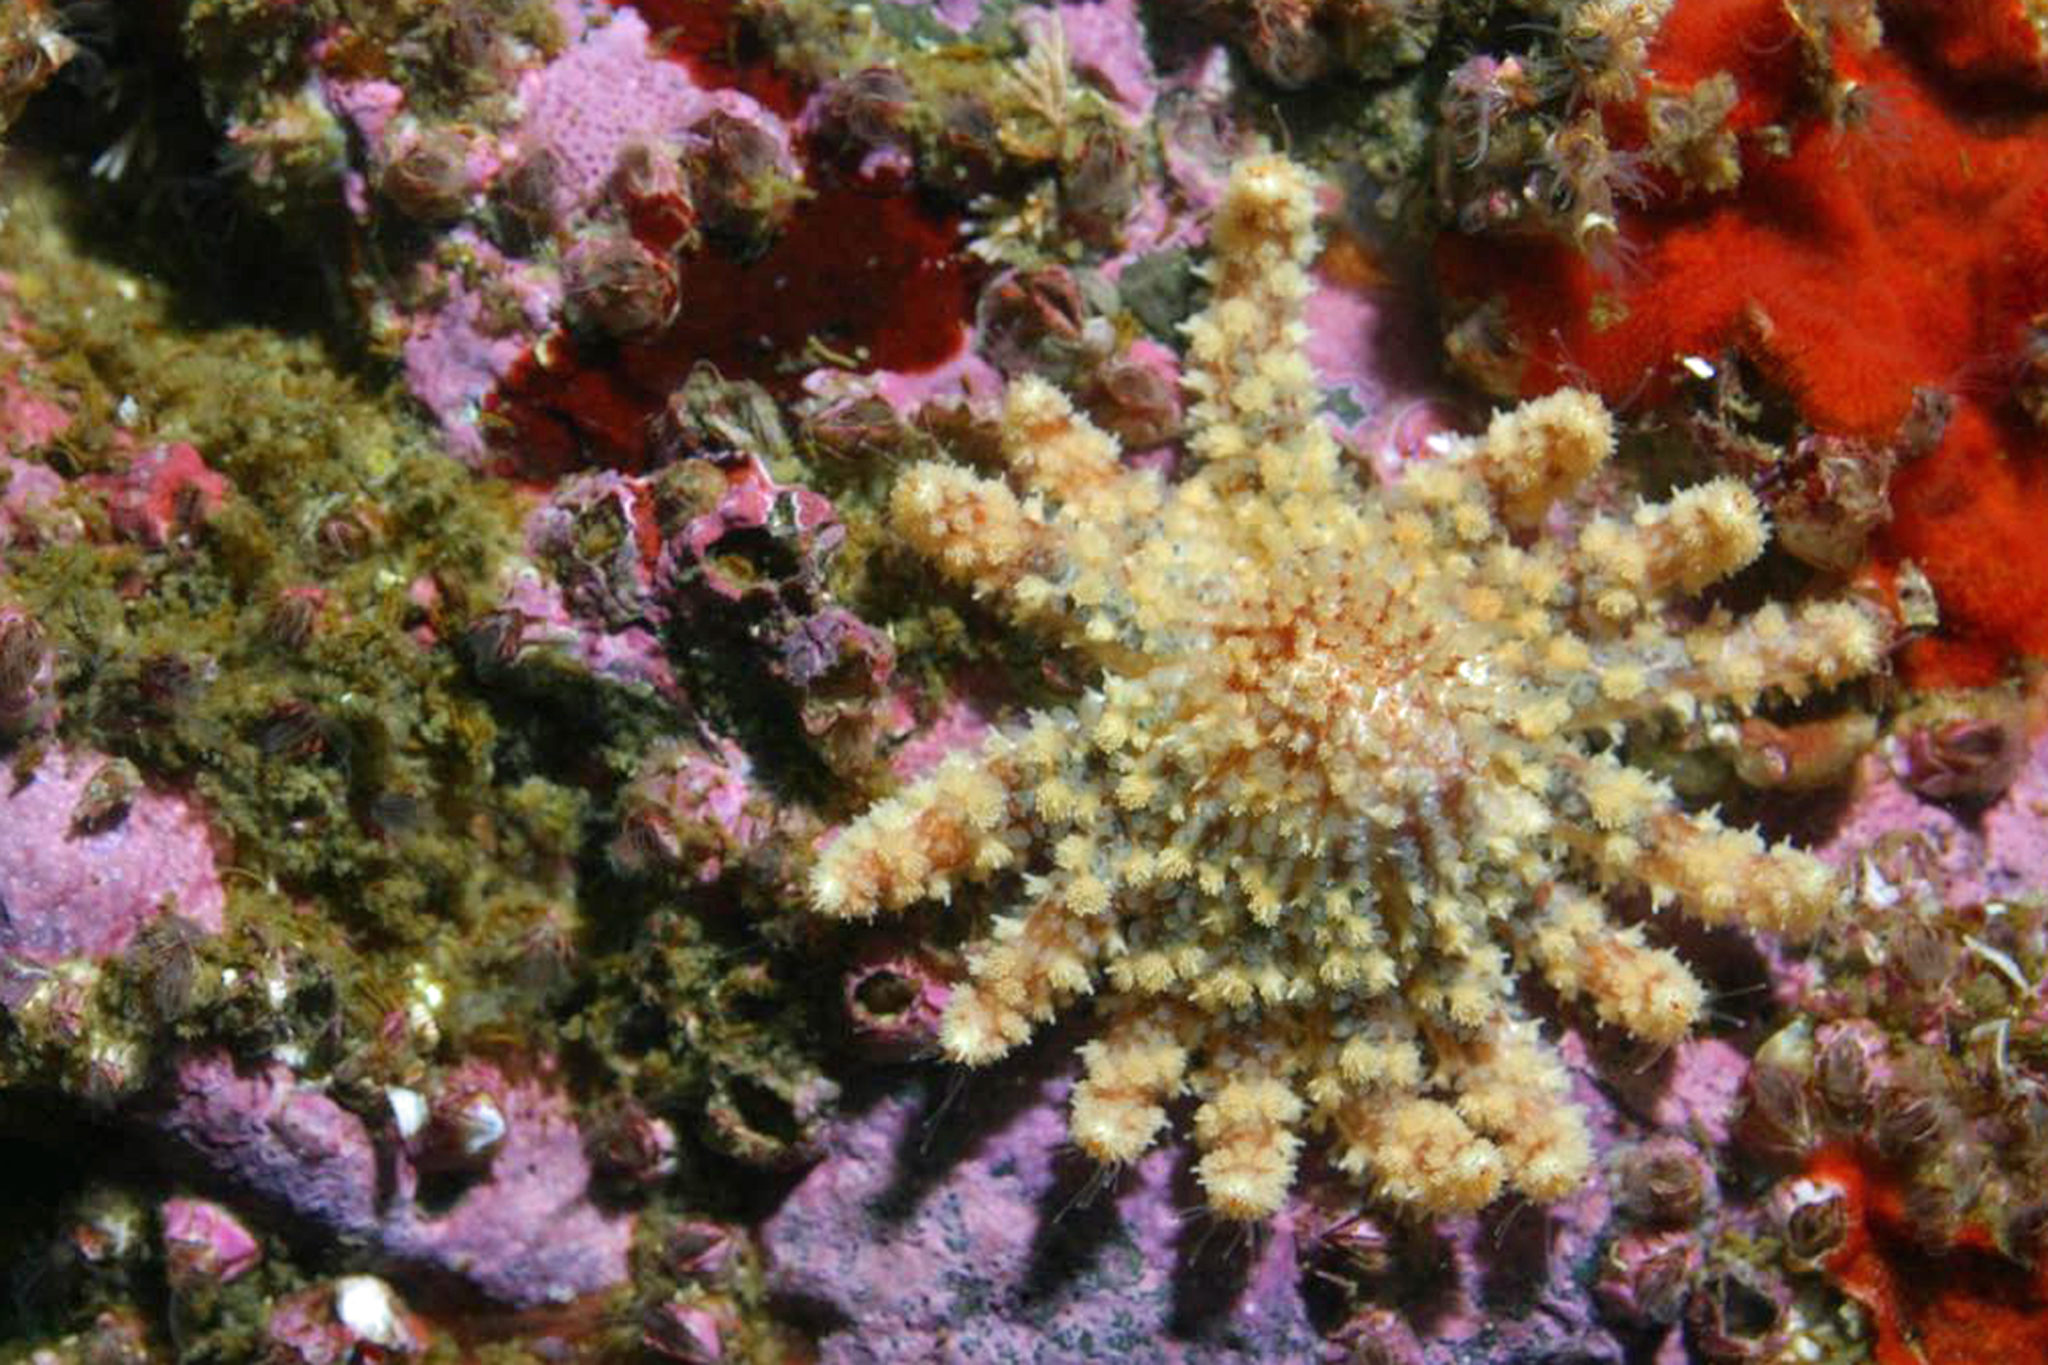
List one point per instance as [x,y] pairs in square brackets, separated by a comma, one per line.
[1348,765]
[32,49]
[1587,178]
[1689,134]
[1606,44]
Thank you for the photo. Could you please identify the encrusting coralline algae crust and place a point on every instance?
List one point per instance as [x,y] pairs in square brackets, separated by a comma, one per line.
[1349,765]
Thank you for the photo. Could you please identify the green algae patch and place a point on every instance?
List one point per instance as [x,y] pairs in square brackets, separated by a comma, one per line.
[280,655]
[411,836]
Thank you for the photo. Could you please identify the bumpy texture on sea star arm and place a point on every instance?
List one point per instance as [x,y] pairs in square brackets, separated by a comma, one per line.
[1349,763]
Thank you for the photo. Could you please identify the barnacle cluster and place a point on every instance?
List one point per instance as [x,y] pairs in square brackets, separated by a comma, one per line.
[32,48]
[1608,110]
[1350,762]
[1503,167]
[1917,1054]
[1293,43]
[1782,133]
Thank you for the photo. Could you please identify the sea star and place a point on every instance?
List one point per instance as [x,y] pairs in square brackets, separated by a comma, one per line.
[1350,760]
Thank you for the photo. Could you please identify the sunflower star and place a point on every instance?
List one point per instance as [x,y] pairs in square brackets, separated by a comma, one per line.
[1349,763]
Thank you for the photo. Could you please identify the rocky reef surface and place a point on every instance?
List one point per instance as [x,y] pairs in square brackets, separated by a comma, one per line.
[1334,681]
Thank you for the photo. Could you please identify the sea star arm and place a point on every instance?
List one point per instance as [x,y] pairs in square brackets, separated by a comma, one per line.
[1029,966]
[957,822]
[1642,990]
[1131,1071]
[1515,1091]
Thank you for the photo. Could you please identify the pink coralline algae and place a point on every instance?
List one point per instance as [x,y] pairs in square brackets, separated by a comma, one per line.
[608,95]
[454,355]
[25,491]
[590,589]
[628,550]
[959,1244]
[958,15]
[357,1318]
[893,996]
[523,1236]
[622,566]
[534,612]
[609,90]
[165,492]
[1696,1090]
[1979,852]
[619,562]
[71,892]
[691,807]
[205,1244]
[1106,44]
[956,1231]
[1363,337]
[744,499]
[29,418]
